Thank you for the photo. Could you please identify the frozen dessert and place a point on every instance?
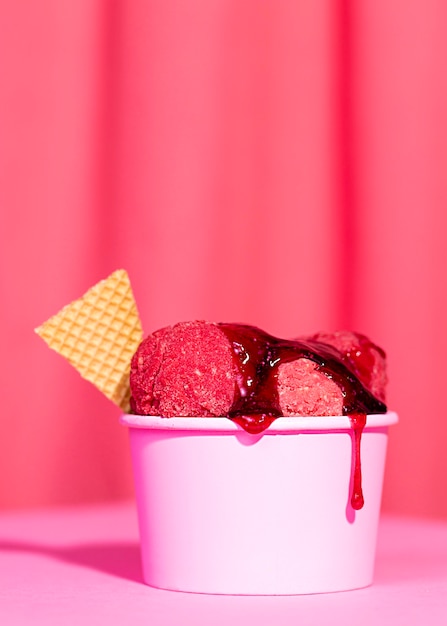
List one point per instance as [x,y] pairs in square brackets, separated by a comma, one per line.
[209,369]
[269,511]
[205,369]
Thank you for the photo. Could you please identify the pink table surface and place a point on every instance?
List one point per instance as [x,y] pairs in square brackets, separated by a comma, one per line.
[81,566]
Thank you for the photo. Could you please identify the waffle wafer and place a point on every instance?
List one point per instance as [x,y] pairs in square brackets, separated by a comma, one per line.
[98,334]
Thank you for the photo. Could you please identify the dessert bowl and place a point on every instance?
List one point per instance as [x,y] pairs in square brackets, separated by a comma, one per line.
[222,511]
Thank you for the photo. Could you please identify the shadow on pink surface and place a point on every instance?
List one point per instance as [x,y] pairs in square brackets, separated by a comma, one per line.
[121,560]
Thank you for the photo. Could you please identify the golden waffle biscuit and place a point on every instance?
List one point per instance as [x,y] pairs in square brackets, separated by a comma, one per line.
[98,334]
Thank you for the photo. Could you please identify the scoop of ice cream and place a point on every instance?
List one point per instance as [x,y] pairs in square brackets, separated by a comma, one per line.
[206,369]
[366,359]
[183,370]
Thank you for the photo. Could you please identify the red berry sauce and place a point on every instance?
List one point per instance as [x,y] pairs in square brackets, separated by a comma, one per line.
[257,357]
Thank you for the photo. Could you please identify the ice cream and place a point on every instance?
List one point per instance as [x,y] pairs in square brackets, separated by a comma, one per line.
[209,369]
[204,369]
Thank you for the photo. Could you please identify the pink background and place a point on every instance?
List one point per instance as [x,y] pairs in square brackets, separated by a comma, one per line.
[278,163]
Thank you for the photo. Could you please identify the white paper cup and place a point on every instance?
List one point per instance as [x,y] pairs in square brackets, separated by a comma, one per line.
[225,512]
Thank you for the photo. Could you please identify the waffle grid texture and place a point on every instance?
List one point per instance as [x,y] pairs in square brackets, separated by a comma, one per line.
[98,334]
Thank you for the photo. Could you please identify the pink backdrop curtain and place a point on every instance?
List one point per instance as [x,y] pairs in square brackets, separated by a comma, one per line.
[278,163]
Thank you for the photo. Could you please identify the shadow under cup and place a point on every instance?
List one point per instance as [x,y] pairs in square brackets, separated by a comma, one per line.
[225,512]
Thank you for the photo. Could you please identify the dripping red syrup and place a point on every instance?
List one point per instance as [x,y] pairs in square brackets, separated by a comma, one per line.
[358,421]
[257,357]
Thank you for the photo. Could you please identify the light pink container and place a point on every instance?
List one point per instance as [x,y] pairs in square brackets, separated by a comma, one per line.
[224,512]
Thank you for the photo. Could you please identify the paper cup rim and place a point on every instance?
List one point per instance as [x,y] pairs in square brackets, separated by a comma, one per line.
[280,425]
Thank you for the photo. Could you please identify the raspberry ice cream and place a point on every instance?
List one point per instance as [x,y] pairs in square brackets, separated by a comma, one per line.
[207,369]
[184,370]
